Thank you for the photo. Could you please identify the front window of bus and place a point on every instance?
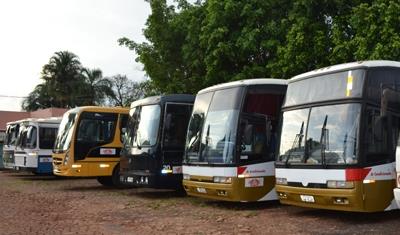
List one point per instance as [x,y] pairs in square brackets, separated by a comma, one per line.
[65,131]
[195,126]
[11,134]
[143,126]
[218,137]
[27,137]
[331,136]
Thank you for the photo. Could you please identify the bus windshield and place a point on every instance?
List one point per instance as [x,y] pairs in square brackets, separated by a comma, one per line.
[65,131]
[11,134]
[212,135]
[143,126]
[320,135]
[27,137]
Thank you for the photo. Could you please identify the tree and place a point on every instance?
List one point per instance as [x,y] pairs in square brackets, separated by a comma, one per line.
[173,58]
[125,91]
[375,27]
[64,79]
[67,84]
[193,46]
[37,99]
[97,88]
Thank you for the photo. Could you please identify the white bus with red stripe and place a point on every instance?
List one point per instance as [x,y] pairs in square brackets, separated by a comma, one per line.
[232,140]
[338,138]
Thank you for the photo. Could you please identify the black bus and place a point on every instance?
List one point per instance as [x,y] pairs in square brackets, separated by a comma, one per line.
[154,141]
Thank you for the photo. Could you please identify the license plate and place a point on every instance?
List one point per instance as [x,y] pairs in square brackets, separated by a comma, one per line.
[129,179]
[201,190]
[45,159]
[307,198]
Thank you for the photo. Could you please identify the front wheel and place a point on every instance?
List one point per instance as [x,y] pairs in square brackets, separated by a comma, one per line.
[113,180]
[105,181]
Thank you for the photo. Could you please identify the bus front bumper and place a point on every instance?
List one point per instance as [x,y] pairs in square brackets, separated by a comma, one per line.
[85,169]
[210,190]
[151,180]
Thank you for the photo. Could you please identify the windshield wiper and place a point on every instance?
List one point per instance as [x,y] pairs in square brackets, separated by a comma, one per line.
[323,140]
[297,141]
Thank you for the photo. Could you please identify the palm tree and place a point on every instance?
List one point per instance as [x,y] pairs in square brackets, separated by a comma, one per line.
[63,77]
[97,87]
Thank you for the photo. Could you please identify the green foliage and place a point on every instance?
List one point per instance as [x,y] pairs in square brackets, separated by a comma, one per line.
[193,46]
[377,27]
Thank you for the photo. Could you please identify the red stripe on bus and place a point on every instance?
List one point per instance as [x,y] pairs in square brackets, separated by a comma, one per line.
[357,174]
[241,169]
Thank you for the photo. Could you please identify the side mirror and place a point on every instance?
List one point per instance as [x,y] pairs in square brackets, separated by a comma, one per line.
[123,130]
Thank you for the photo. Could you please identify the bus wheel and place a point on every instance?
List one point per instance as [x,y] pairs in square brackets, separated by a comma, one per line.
[116,180]
[105,181]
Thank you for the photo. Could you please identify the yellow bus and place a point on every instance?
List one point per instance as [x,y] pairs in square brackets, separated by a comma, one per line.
[338,144]
[88,143]
[232,141]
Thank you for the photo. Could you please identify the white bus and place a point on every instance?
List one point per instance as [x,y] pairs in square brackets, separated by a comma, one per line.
[34,145]
[339,137]
[12,131]
[232,140]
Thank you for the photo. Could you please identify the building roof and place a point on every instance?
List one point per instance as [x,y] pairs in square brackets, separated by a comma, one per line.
[9,116]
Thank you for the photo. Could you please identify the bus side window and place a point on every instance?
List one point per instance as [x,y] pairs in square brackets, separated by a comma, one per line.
[123,120]
[381,137]
[175,125]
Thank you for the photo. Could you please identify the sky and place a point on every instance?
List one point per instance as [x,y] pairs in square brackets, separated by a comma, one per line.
[32,31]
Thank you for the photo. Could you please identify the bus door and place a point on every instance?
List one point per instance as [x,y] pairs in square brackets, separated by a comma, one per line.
[176,120]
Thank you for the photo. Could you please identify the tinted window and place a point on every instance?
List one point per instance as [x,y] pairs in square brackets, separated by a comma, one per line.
[96,127]
[380,137]
[175,125]
[143,125]
[47,137]
[379,79]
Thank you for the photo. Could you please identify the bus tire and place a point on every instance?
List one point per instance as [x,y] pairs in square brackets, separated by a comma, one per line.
[105,181]
[116,180]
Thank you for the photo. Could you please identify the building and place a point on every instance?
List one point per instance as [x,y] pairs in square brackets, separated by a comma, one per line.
[8,116]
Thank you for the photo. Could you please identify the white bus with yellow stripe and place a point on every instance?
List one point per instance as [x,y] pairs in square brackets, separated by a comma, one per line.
[232,141]
[337,148]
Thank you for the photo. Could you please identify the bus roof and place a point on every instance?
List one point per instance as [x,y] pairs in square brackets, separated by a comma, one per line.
[99,109]
[246,82]
[346,66]
[17,121]
[183,98]
[50,120]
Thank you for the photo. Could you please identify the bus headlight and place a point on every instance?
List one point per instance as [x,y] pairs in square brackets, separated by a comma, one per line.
[339,184]
[281,181]
[186,176]
[222,179]
[66,159]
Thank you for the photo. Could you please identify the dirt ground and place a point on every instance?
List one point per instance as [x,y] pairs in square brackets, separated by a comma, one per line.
[32,204]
